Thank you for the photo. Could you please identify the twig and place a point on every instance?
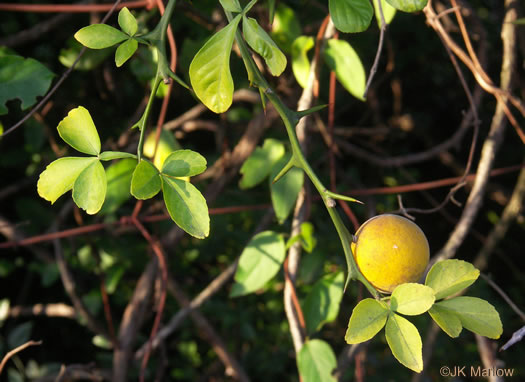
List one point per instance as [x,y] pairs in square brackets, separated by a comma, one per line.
[507,299]
[70,8]
[49,310]
[18,349]
[382,31]
[487,352]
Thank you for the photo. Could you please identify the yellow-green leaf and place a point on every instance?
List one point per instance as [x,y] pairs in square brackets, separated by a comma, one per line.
[79,131]
[446,320]
[89,190]
[367,319]
[405,342]
[300,61]
[412,299]
[451,276]
[100,36]
[145,182]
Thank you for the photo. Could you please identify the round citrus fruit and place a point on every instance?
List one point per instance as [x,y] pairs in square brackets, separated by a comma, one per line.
[390,250]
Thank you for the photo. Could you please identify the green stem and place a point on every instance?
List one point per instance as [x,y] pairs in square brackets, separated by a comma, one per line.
[142,122]
[290,119]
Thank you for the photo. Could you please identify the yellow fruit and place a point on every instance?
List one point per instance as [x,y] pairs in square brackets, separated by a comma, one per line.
[390,250]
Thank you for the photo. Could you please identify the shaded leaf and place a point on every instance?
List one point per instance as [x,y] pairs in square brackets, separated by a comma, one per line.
[446,320]
[89,60]
[89,190]
[316,361]
[260,163]
[127,21]
[368,318]
[408,5]
[351,16]
[451,276]
[259,41]
[285,27]
[125,51]
[412,299]
[231,5]
[405,342]
[112,155]
[300,61]
[60,175]
[145,182]
[184,163]
[322,303]
[209,72]
[308,239]
[260,261]
[186,206]
[118,177]
[100,36]
[475,314]
[284,192]
[79,131]
[23,79]
[346,64]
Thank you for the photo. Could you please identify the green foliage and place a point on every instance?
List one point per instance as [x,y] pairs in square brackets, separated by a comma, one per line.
[182,163]
[412,299]
[89,190]
[210,69]
[388,12]
[284,192]
[405,342]
[285,27]
[118,176]
[351,16]
[305,237]
[368,318]
[315,361]
[100,36]
[231,5]
[259,164]
[125,51]
[408,5]
[79,131]
[260,261]
[127,22]
[346,64]
[22,78]
[451,276]
[146,182]
[300,62]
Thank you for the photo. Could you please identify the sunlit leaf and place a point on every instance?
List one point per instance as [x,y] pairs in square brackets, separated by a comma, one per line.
[405,342]
[351,16]
[300,61]
[259,41]
[60,175]
[446,320]
[475,314]
[368,318]
[145,182]
[125,51]
[259,164]
[408,5]
[388,12]
[89,190]
[285,27]
[127,21]
[451,276]
[260,261]
[186,206]
[231,5]
[100,36]
[322,303]
[412,299]
[24,79]
[184,163]
[346,64]
[209,72]
[79,131]
[316,361]
[167,144]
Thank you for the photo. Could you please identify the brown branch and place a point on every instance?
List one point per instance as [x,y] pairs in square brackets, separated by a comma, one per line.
[18,349]
[487,351]
[382,32]
[71,8]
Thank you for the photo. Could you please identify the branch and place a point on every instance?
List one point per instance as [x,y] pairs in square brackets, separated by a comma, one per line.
[17,350]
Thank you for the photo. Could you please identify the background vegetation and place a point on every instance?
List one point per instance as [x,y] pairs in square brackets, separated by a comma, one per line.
[80,294]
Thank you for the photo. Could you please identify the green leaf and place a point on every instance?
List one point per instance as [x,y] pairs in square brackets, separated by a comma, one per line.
[308,239]
[167,144]
[186,206]
[25,79]
[145,182]
[446,320]
[89,60]
[79,131]
[111,155]
[127,21]
[285,27]
[346,64]
[451,276]
[412,299]
[118,177]
[231,5]
[316,361]
[184,163]
[89,190]
[260,162]
[475,314]
[351,16]
[322,303]
[367,319]
[125,51]
[259,41]
[300,61]
[260,261]
[388,12]
[100,36]
[60,175]
[405,342]
[284,192]
[209,72]
[408,5]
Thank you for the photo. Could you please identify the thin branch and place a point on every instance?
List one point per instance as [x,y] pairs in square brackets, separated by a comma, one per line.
[382,32]
[71,8]
[503,295]
[18,349]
